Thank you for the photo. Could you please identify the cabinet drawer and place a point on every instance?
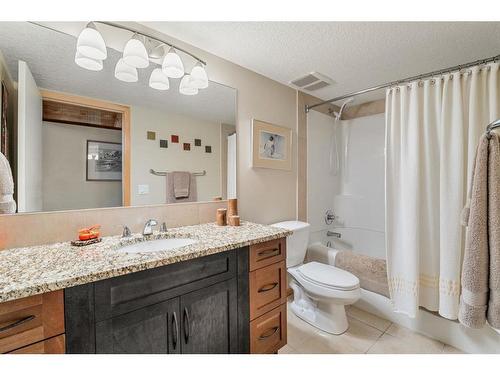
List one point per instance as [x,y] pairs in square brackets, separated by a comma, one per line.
[266,253]
[268,333]
[126,293]
[267,288]
[54,345]
[29,320]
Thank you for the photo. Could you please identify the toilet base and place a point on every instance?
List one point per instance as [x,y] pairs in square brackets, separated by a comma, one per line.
[328,317]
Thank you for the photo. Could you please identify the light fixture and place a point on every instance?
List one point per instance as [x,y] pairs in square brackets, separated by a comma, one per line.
[158,80]
[88,63]
[186,87]
[135,53]
[172,64]
[199,78]
[138,52]
[125,72]
[91,44]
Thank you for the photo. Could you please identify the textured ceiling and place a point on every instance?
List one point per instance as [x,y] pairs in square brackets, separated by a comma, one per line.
[355,55]
[50,56]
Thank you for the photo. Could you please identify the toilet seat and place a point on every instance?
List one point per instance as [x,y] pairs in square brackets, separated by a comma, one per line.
[328,276]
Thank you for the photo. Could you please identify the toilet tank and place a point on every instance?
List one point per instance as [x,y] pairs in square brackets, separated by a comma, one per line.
[296,244]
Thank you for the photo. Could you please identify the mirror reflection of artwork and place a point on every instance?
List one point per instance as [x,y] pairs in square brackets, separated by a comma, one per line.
[272,146]
[104,161]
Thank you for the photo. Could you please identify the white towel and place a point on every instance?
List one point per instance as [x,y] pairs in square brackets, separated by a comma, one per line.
[7,203]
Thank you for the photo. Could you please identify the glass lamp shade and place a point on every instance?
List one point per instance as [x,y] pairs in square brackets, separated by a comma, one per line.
[125,72]
[186,87]
[199,78]
[135,54]
[158,80]
[87,62]
[172,65]
[91,44]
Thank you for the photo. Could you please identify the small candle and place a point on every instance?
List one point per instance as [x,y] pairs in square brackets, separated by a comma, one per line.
[234,220]
[221,216]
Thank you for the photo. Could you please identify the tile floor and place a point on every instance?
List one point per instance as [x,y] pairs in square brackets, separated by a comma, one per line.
[367,333]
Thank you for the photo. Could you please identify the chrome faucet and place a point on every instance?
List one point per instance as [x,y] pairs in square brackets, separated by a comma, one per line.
[148,227]
[126,232]
[333,234]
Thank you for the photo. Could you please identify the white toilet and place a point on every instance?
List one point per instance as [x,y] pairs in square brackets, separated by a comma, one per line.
[320,291]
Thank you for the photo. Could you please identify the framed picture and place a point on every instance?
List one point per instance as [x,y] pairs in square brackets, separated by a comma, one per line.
[271,146]
[4,131]
[104,161]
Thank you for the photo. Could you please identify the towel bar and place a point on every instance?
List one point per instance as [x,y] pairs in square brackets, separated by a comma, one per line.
[152,171]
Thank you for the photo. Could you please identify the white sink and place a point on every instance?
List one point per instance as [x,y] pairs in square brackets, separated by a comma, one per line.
[163,244]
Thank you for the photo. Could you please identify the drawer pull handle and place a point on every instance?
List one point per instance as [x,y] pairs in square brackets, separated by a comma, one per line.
[17,323]
[272,332]
[268,252]
[267,287]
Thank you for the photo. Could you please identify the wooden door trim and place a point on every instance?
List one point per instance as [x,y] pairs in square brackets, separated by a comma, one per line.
[113,107]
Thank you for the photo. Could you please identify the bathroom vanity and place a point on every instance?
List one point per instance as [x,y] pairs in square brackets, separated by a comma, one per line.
[225,293]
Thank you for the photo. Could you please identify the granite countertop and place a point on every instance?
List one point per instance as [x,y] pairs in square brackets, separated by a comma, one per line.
[38,269]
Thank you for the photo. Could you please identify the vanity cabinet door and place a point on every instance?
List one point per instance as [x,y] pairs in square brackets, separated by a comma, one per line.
[209,319]
[151,330]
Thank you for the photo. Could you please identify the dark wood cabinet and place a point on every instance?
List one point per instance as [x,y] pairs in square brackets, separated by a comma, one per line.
[209,319]
[153,329]
[196,306]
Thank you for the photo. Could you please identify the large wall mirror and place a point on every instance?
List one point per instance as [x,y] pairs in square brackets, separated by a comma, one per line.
[76,138]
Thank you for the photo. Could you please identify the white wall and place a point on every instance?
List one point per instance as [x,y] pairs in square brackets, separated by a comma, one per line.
[356,193]
[29,142]
[147,154]
[64,169]
[322,184]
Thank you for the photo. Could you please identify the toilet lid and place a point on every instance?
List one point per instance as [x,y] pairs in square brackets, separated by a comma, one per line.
[328,276]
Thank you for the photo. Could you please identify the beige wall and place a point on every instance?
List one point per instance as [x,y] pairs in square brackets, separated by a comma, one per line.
[265,195]
[65,184]
[30,229]
[147,154]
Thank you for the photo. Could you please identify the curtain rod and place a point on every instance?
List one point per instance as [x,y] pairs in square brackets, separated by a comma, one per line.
[405,80]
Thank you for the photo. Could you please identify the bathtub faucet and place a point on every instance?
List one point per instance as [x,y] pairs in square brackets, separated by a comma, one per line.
[333,234]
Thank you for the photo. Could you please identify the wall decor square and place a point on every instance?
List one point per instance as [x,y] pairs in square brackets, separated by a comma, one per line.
[271,146]
[208,149]
[151,135]
[174,138]
[197,142]
[163,143]
[187,146]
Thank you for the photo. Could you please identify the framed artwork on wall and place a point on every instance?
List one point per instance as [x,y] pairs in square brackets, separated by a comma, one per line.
[4,132]
[271,146]
[104,161]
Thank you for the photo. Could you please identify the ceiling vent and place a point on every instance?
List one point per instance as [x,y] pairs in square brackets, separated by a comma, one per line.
[312,81]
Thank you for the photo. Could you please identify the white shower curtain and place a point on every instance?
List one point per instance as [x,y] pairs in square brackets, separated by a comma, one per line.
[432,130]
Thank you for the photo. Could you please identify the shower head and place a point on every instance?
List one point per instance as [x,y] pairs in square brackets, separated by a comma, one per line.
[338,115]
